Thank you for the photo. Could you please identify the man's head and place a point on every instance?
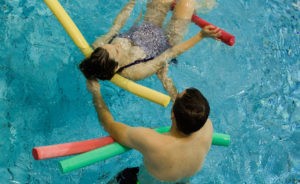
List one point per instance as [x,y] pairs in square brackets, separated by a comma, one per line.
[99,65]
[191,111]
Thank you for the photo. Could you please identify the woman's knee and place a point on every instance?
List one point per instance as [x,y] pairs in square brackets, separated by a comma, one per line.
[164,1]
[184,9]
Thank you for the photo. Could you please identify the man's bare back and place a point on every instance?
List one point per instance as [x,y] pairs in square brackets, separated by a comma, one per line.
[172,156]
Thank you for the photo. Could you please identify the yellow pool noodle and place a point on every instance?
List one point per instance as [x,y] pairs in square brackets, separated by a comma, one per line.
[85,48]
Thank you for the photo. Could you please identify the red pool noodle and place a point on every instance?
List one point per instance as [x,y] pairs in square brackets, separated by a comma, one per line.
[225,37]
[59,150]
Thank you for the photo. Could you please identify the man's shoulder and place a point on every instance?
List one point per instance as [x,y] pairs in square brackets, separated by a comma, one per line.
[207,129]
[145,138]
[204,136]
[142,131]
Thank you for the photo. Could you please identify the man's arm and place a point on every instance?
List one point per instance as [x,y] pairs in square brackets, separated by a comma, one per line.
[118,24]
[133,137]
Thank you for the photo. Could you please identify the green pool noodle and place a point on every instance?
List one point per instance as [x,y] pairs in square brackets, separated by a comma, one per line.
[115,149]
[220,139]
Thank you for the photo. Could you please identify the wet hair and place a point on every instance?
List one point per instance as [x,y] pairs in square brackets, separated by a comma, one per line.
[191,111]
[98,65]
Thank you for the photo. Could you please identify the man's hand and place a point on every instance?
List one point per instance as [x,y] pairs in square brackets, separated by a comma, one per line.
[93,86]
[210,32]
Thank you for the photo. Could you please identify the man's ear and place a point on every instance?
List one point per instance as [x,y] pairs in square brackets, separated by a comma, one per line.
[172,115]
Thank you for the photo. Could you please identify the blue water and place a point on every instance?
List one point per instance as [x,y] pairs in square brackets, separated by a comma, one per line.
[253,89]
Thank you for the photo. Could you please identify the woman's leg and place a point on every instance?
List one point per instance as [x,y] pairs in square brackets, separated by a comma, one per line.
[180,21]
[157,11]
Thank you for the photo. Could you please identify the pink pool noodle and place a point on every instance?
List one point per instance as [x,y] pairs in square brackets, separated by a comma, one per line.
[59,150]
[225,37]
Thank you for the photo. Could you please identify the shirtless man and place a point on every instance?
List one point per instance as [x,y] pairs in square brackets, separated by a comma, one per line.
[173,157]
[145,49]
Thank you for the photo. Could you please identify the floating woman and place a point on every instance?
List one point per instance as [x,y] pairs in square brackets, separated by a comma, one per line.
[145,49]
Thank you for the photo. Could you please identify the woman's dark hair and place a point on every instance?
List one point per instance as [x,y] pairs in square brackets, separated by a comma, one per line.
[98,65]
[191,111]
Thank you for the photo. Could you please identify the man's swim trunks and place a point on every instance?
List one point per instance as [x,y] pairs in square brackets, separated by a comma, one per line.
[128,176]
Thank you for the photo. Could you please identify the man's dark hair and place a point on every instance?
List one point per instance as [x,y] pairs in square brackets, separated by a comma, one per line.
[191,111]
[98,65]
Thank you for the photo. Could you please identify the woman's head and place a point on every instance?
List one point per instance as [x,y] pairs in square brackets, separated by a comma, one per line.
[191,111]
[99,65]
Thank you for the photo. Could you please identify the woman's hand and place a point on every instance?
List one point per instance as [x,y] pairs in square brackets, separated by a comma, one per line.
[104,39]
[93,86]
[211,32]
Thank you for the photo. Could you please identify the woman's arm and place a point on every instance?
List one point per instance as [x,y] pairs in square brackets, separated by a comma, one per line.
[167,82]
[118,24]
[207,32]
[162,73]
[144,70]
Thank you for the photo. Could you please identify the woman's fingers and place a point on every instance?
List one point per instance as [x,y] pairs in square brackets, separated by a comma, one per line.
[216,30]
[212,31]
[210,27]
[217,34]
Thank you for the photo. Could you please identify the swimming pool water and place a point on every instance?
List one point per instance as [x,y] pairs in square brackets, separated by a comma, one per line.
[253,89]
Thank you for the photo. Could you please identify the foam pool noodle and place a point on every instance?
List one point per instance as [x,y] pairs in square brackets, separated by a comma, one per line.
[66,149]
[115,149]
